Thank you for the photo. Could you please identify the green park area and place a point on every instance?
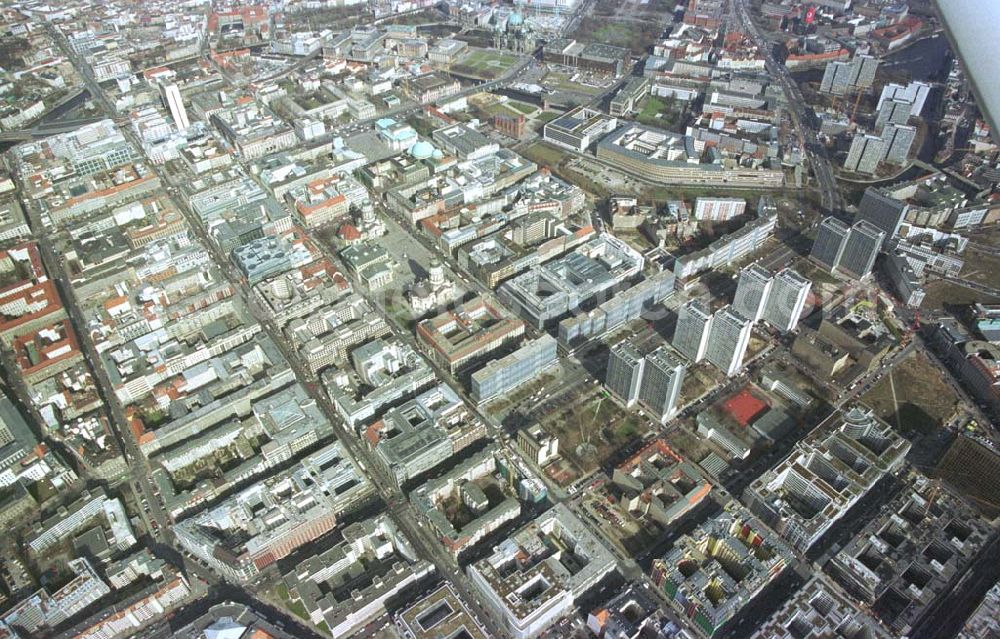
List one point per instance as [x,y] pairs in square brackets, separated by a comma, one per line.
[485,64]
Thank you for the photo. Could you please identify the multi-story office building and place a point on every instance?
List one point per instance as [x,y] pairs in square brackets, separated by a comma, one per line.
[912,552]
[461,336]
[13,223]
[861,249]
[350,583]
[268,520]
[903,278]
[786,300]
[719,209]
[624,306]
[625,100]
[442,613]
[705,13]
[924,259]
[820,609]
[537,575]
[172,99]
[632,612]
[551,290]
[325,200]
[892,111]
[423,432]
[882,211]
[658,486]
[464,142]
[985,618]
[840,77]
[752,291]
[915,93]
[711,574]
[288,420]
[16,442]
[666,157]
[140,613]
[624,376]
[42,610]
[82,514]
[596,56]
[865,153]
[384,373]
[830,241]
[507,373]
[850,249]
[897,139]
[214,203]
[694,324]
[728,248]
[267,256]
[432,499]
[252,130]
[579,128]
[728,340]
[327,336]
[660,387]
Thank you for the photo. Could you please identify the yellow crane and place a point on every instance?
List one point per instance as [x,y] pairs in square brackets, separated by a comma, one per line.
[854,111]
[935,488]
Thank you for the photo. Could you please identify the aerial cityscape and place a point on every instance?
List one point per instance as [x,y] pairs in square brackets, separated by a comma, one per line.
[499,319]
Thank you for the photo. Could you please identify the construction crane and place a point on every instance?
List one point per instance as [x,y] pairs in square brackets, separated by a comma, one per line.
[854,111]
[510,468]
[935,488]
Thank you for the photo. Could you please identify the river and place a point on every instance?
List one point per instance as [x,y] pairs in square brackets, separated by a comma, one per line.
[53,115]
[926,60]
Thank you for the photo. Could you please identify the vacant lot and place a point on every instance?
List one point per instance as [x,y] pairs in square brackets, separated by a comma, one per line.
[923,399]
[511,108]
[496,108]
[815,273]
[946,295]
[578,82]
[698,380]
[981,267]
[544,154]
[523,107]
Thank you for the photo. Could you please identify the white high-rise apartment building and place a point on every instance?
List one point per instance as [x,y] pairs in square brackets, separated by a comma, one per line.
[662,377]
[789,291]
[172,98]
[728,341]
[752,291]
[624,375]
[694,322]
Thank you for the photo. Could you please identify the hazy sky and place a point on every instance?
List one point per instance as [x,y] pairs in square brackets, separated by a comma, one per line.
[975,26]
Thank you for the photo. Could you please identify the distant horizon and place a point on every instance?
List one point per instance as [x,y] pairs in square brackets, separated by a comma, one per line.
[971,25]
